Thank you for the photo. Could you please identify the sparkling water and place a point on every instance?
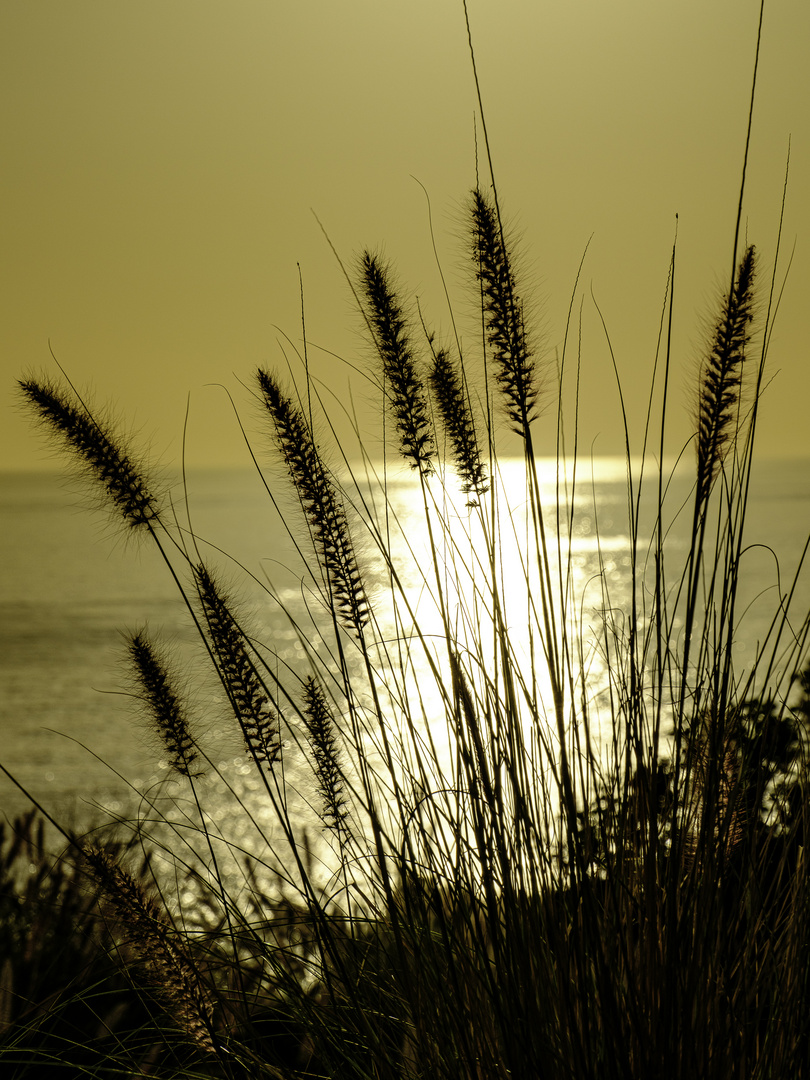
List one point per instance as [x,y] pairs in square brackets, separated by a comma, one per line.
[72,584]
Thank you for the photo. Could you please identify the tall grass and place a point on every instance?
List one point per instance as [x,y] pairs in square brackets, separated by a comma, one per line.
[486,839]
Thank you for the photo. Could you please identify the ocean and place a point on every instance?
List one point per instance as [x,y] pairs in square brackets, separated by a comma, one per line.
[72,584]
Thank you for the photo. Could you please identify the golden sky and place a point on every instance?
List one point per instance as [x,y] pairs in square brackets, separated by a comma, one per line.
[161,160]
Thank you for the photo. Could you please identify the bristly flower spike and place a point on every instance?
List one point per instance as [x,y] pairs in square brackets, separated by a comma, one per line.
[456,416]
[170,970]
[321,731]
[97,450]
[403,386]
[721,377]
[503,314]
[237,671]
[157,693]
[323,508]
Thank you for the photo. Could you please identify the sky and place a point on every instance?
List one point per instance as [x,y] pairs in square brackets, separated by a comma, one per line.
[170,167]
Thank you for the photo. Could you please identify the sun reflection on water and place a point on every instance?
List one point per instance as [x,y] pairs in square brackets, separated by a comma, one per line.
[436,581]
[432,604]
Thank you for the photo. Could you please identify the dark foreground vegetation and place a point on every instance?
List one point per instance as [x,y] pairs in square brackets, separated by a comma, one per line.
[98,980]
[488,854]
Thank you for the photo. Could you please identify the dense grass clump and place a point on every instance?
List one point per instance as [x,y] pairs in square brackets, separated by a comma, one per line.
[473,851]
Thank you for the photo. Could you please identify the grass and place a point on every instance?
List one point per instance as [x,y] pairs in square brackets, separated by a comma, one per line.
[67,1000]
[485,838]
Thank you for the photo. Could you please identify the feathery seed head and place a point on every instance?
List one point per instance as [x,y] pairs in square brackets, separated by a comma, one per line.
[169,970]
[96,449]
[721,376]
[403,386]
[322,734]
[156,691]
[457,418]
[503,314]
[237,671]
[322,506]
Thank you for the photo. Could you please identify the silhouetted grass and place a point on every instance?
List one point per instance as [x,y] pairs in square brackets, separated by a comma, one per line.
[473,852]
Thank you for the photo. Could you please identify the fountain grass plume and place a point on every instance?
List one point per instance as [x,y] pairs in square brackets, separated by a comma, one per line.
[456,416]
[239,674]
[503,316]
[167,966]
[323,740]
[154,688]
[720,379]
[322,506]
[97,449]
[403,385]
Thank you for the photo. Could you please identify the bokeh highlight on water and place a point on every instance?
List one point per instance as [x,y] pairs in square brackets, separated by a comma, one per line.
[71,583]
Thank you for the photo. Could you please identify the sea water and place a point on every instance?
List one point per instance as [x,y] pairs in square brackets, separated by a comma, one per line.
[72,583]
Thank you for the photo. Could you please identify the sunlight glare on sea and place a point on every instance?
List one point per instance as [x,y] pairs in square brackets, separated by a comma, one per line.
[70,587]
